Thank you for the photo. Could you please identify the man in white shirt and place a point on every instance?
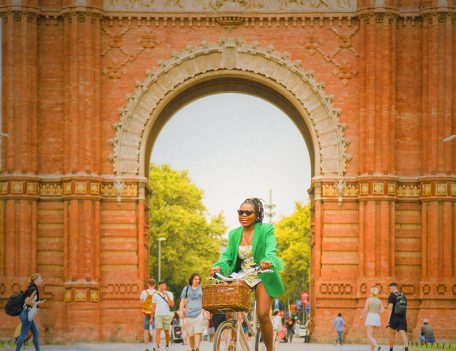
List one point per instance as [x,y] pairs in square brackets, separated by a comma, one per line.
[161,303]
[146,301]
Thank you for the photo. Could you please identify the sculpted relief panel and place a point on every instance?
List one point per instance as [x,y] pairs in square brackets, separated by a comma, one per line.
[230,5]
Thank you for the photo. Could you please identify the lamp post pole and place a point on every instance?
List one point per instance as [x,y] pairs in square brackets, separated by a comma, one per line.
[159,257]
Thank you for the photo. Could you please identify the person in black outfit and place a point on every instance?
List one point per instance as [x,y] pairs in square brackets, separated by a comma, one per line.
[290,329]
[397,322]
[32,298]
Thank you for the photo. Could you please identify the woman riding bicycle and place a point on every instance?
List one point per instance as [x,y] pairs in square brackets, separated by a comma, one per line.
[254,243]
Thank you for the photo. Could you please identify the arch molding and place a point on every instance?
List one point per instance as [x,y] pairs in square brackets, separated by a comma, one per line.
[230,55]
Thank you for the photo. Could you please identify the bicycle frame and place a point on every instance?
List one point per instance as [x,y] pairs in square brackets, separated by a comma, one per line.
[241,339]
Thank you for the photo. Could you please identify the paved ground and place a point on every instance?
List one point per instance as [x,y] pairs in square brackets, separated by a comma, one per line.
[206,346]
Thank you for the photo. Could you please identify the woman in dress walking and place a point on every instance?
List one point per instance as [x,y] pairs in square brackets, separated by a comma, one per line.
[371,312]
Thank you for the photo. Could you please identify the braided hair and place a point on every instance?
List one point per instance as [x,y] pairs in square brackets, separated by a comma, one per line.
[258,207]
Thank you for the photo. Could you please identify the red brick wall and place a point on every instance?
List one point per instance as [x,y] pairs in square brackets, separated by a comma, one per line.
[67,71]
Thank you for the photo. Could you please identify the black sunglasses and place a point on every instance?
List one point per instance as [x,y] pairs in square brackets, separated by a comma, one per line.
[246,212]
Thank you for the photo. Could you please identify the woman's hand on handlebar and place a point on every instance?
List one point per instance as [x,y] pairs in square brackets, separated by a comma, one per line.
[265,265]
[214,270]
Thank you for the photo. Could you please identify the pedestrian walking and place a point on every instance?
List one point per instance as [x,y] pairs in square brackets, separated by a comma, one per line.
[307,326]
[339,323]
[191,311]
[290,328]
[254,243]
[146,300]
[372,310]
[29,313]
[397,308]
[427,334]
[160,312]
[276,327]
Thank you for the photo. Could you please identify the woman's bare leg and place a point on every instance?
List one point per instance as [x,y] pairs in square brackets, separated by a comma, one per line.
[263,311]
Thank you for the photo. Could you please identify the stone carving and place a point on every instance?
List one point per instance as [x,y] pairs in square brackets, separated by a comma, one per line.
[336,289]
[408,190]
[229,54]
[377,188]
[441,189]
[351,190]
[3,187]
[16,187]
[52,189]
[230,5]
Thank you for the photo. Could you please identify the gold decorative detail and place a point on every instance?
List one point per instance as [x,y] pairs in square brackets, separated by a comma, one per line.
[453,189]
[94,296]
[81,188]
[351,190]
[17,187]
[67,188]
[329,190]
[51,189]
[31,188]
[130,190]
[108,190]
[67,297]
[427,189]
[408,191]
[80,295]
[94,188]
[391,189]
[441,189]
[364,188]
[3,187]
[378,188]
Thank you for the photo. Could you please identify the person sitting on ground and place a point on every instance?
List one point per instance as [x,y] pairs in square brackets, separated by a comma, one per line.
[427,334]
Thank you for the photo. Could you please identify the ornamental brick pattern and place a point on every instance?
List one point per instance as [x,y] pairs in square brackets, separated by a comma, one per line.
[87,85]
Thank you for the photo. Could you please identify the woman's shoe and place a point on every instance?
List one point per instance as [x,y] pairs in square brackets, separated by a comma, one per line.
[378,348]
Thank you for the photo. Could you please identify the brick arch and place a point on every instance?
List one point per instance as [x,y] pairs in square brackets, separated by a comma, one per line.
[230,59]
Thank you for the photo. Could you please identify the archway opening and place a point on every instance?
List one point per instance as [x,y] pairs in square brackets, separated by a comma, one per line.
[234,146]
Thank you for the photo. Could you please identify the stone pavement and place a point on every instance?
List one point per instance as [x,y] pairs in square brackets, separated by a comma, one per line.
[297,345]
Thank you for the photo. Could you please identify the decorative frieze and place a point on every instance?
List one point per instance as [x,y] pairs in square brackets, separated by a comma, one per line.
[396,189]
[81,294]
[47,189]
[211,6]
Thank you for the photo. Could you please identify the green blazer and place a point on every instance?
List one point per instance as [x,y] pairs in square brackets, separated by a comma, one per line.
[264,246]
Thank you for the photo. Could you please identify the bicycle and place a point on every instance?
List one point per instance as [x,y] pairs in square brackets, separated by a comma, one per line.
[230,335]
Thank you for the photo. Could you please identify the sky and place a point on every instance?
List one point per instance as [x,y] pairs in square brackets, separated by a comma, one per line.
[236,146]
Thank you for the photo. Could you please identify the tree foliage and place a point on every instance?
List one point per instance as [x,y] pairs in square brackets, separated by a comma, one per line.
[293,246]
[178,214]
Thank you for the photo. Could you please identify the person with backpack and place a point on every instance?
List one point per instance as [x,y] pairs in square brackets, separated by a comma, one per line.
[397,308]
[30,307]
[161,303]
[146,301]
[191,311]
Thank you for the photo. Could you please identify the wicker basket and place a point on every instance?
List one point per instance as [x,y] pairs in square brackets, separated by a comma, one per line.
[226,297]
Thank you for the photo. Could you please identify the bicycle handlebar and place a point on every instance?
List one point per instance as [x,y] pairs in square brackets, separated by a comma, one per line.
[239,276]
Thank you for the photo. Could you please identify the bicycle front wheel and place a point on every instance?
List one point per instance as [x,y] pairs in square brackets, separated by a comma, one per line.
[225,336]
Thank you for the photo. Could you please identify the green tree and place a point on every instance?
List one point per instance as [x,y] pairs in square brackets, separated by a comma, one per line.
[178,214]
[293,246]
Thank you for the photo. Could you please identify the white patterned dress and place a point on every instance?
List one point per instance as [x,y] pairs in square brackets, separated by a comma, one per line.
[245,254]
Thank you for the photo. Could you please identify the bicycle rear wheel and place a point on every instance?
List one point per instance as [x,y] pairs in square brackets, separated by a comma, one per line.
[225,336]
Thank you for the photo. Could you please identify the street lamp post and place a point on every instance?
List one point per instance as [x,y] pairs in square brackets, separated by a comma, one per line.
[159,257]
